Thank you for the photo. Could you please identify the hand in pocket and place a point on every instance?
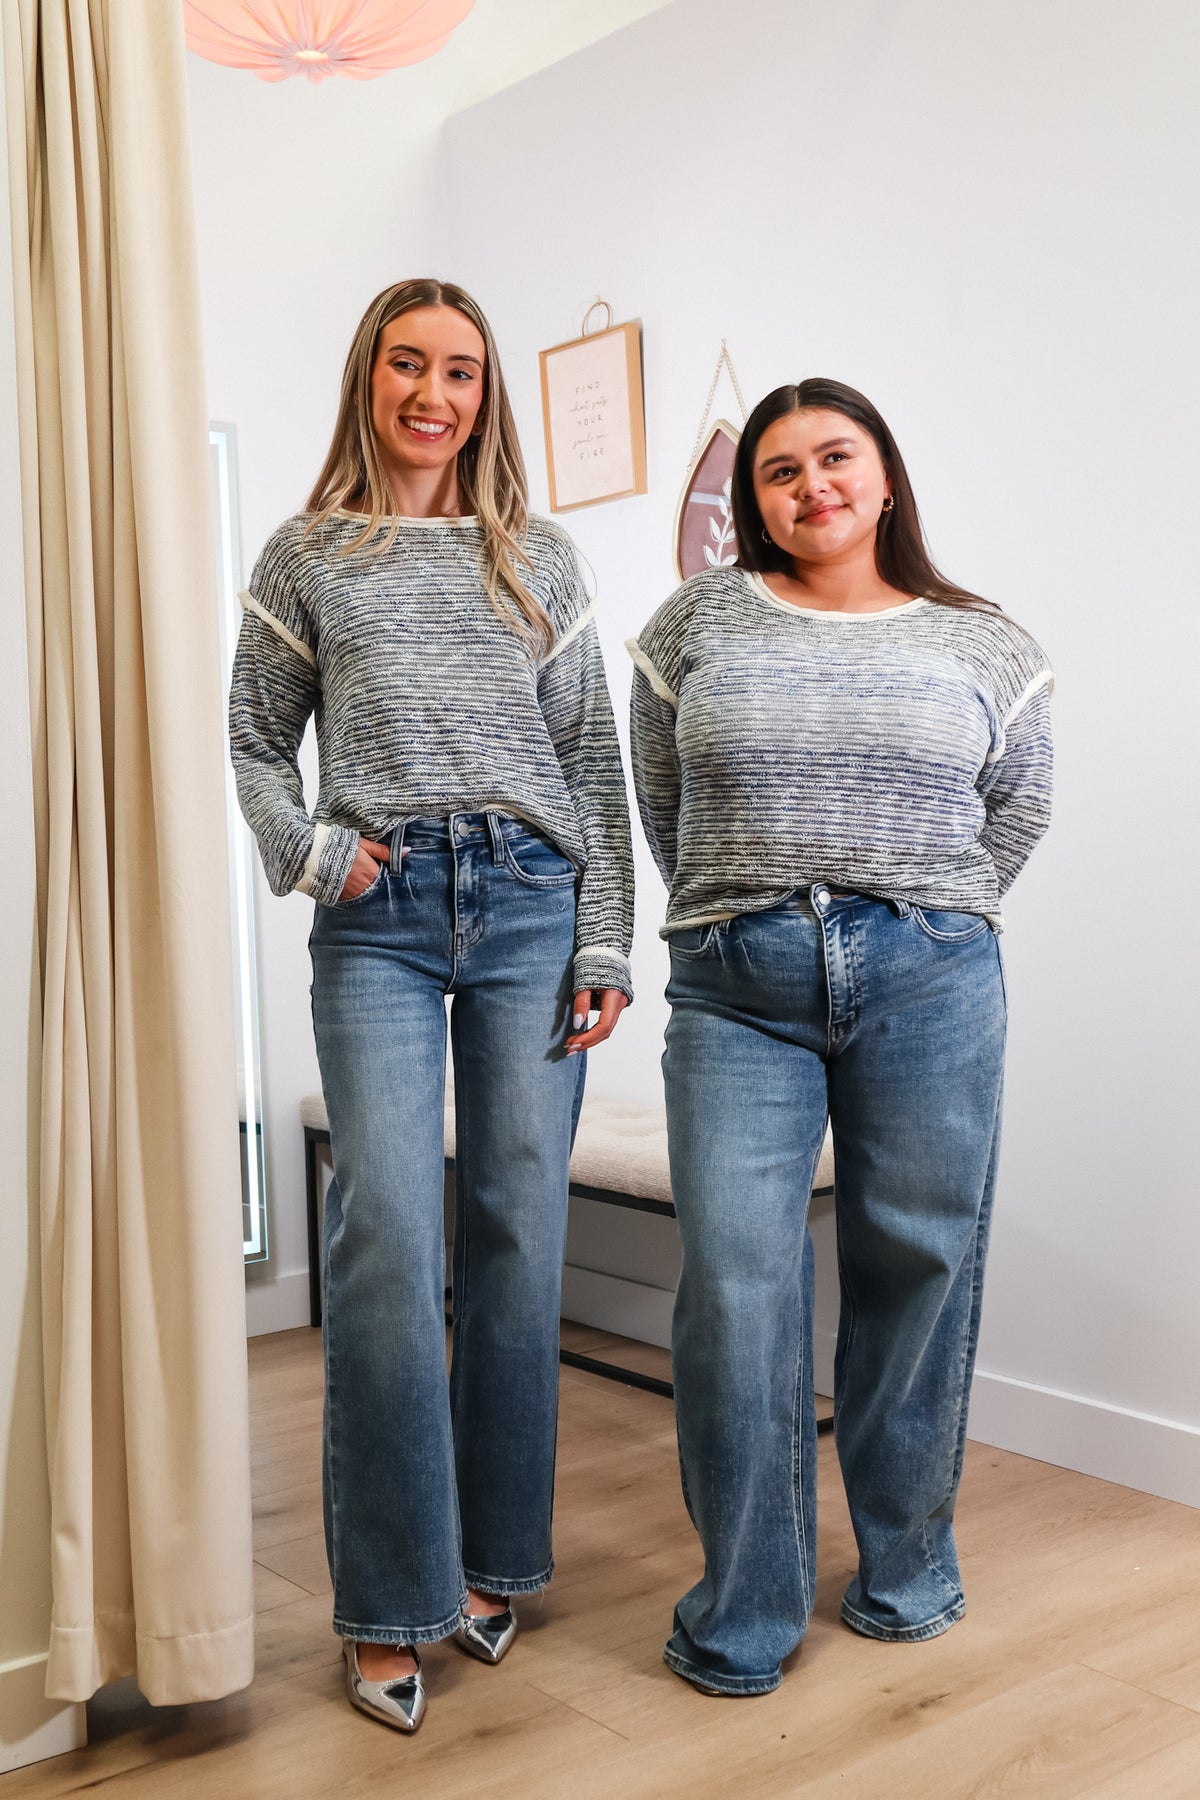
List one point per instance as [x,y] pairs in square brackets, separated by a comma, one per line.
[368,859]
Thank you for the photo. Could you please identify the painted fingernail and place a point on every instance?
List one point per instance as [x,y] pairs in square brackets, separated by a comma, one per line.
[577,1022]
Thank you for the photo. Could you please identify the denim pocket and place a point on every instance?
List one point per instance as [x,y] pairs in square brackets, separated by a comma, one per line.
[949,927]
[368,893]
[535,861]
[694,940]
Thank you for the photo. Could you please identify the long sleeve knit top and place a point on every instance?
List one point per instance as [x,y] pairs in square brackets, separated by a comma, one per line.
[903,753]
[426,703]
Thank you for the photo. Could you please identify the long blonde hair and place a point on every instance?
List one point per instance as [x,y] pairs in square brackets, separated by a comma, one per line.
[491,469]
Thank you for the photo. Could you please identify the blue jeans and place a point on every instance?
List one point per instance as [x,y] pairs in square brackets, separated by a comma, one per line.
[893,1020]
[433,1485]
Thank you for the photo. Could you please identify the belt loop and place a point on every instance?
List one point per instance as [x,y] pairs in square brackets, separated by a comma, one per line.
[397,845]
[496,835]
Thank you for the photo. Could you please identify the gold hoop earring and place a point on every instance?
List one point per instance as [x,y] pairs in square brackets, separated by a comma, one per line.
[766,536]
[889,503]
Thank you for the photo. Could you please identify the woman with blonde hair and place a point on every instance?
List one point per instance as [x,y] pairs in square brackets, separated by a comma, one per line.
[471,840]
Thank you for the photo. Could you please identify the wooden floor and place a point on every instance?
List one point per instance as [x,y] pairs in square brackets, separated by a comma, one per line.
[1077,1671]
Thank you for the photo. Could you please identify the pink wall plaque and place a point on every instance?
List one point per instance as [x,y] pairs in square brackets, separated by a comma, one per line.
[704,535]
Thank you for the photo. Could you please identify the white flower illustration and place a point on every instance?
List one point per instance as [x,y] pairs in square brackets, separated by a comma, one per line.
[720,527]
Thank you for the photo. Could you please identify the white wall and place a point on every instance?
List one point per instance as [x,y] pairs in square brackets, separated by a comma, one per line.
[981,217]
[31,1727]
[309,199]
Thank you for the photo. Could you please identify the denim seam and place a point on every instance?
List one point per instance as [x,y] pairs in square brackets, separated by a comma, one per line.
[402,1634]
[971,1338]
[702,948]
[455,935]
[798,1432]
[503,1584]
[931,1562]
[508,861]
[1003,975]
[683,1480]
[847,1298]
[905,1634]
[540,883]
[798,1472]
[828,986]
[462,1233]
[947,937]
[458,1282]
[467,860]
[726,1684]
[330,1413]
[857,975]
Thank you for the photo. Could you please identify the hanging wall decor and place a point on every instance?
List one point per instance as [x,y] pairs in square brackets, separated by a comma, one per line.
[704,534]
[319,38]
[593,415]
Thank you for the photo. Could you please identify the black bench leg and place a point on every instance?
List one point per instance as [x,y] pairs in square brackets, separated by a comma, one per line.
[311,1139]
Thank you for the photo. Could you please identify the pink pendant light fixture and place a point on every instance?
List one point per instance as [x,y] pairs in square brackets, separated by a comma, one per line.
[317,38]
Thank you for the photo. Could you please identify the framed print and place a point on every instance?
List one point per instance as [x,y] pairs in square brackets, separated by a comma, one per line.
[594,418]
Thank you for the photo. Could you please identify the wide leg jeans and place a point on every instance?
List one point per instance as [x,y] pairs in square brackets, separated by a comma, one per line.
[431,1485]
[892,1019]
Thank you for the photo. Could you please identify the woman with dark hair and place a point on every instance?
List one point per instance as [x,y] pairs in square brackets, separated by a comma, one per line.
[470,839]
[842,762]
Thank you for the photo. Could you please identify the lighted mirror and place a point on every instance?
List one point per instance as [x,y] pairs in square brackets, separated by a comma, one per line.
[223,450]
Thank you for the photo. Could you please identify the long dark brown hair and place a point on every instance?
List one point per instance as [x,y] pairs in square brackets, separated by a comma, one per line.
[901,554]
[491,470]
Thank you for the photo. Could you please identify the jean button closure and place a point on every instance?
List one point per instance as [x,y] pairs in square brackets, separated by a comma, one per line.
[820,897]
[463,829]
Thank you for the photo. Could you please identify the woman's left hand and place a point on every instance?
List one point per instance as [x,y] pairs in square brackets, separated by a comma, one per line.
[609,1002]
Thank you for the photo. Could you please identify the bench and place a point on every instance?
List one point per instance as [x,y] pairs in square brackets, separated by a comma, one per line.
[619,1159]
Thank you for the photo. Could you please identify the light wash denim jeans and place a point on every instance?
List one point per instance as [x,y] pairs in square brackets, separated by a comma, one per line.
[893,1019]
[431,1486]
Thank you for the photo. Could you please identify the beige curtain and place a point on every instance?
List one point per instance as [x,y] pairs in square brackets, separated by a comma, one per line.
[141,1197]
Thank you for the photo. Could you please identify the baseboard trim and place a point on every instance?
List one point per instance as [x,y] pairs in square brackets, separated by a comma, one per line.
[1157,1456]
[1137,1450]
[630,1308]
[33,1728]
[611,1303]
[279,1303]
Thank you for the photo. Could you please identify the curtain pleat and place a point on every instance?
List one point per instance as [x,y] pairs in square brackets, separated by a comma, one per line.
[141,1188]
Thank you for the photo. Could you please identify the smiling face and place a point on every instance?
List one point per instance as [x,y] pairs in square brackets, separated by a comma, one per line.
[820,484]
[427,389]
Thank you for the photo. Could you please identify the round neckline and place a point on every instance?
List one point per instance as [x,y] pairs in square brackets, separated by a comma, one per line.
[759,587]
[346,512]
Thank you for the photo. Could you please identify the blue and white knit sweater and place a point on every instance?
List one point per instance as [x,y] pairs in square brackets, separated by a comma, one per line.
[903,753]
[426,703]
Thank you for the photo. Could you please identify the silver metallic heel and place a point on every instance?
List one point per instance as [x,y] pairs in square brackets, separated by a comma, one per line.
[399,1703]
[489,1636]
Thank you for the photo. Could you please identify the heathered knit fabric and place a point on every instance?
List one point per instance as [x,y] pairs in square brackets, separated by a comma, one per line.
[427,704]
[904,754]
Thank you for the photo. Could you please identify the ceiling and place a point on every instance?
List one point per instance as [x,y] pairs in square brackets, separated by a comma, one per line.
[502,41]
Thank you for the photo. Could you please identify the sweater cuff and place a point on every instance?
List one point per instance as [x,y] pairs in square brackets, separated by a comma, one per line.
[330,860]
[602,966]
